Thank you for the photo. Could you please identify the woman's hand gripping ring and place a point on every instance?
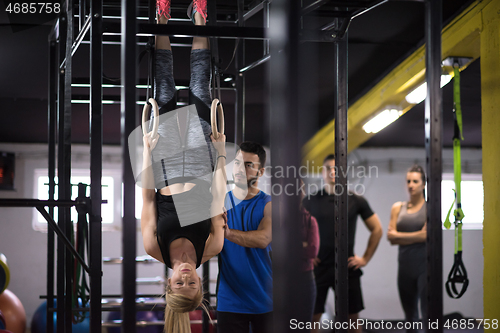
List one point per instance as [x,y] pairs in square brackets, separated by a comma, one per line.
[217,112]
[146,110]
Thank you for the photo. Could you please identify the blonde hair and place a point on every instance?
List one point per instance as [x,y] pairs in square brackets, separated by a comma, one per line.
[177,310]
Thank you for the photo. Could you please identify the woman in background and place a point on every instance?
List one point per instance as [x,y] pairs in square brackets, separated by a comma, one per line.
[407,228]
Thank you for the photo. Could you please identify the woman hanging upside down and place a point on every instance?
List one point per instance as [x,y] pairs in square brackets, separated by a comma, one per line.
[183,178]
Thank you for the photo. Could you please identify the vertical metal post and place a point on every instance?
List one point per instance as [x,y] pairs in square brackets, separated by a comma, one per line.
[490,136]
[341,195]
[433,147]
[239,119]
[52,100]
[96,137]
[265,12]
[214,50]
[214,46]
[81,14]
[68,306]
[152,20]
[206,295]
[61,173]
[284,115]
[128,116]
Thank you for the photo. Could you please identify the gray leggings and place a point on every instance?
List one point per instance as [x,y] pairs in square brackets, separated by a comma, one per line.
[412,281]
[183,153]
[199,85]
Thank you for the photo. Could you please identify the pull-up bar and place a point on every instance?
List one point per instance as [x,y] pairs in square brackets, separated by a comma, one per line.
[39,205]
[110,28]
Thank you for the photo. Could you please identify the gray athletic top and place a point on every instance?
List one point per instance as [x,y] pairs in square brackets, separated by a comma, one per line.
[184,150]
[410,222]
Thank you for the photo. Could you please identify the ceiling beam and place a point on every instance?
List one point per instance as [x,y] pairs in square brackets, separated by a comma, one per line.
[460,38]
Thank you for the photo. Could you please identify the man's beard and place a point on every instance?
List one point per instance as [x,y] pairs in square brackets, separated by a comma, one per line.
[249,184]
[252,182]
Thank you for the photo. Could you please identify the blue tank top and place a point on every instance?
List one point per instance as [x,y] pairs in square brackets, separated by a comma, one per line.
[245,274]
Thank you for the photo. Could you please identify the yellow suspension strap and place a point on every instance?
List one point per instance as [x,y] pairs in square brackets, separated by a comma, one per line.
[458,273]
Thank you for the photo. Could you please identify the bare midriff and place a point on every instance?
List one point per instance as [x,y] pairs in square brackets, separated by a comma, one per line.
[177,188]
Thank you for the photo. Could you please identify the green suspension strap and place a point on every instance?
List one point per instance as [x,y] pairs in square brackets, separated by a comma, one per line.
[458,273]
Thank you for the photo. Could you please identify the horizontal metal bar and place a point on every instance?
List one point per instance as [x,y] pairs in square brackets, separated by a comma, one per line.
[373,5]
[349,4]
[149,307]
[313,6]
[119,260]
[83,99]
[84,82]
[172,19]
[317,36]
[144,18]
[191,30]
[252,11]
[111,102]
[256,63]
[111,85]
[150,280]
[341,31]
[116,296]
[109,42]
[204,31]
[41,203]
[61,235]
[118,323]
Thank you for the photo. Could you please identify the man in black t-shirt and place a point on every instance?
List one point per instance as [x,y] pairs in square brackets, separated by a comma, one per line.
[320,205]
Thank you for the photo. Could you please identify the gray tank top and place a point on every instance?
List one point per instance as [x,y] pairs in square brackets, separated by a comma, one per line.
[184,151]
[410,222]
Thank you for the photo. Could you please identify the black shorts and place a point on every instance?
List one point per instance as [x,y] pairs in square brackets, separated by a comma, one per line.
[325,278]
[231,322]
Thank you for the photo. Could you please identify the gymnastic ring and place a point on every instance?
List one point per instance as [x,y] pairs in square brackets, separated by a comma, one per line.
[145,114]
[4,273]
[217,111]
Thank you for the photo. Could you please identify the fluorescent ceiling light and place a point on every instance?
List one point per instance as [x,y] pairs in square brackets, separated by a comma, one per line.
[420,93]
[105,85]
[86,101]
[381,120]
[83,101]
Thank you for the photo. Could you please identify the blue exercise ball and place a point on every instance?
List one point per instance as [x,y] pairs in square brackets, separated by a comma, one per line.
[39,321]
[140,316]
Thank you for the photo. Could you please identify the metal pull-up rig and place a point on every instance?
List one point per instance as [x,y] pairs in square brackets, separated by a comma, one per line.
[284,126]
